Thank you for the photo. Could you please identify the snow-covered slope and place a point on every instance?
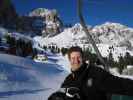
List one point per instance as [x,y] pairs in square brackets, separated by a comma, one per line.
[16,35]
[113,33]
[69,37]
[3,31]
[23,79]
[109,37]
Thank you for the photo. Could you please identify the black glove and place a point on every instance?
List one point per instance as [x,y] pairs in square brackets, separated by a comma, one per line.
[71,93]
[57,96]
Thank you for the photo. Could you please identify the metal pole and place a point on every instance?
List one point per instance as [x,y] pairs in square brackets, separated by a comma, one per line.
[82,22]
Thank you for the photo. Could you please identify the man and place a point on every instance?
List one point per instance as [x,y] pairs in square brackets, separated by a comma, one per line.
[93,82]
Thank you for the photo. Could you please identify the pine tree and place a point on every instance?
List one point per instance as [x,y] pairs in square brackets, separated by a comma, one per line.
[0,40]
[58,50]
[64,51]
[34,53]
[10,40]
[111,59]
[89,56]
[45,47]
[128,58]
[121,63]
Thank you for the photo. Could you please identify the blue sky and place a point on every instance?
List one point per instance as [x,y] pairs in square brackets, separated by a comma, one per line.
[95,11]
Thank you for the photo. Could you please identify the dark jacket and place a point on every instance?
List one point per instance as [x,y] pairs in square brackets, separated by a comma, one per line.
[95,83]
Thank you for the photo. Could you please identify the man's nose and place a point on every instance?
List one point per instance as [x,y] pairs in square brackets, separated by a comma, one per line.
[76,60]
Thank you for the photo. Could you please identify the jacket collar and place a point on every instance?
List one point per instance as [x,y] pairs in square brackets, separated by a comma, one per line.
[78,72]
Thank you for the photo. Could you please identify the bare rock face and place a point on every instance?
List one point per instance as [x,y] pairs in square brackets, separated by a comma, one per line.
[53,24]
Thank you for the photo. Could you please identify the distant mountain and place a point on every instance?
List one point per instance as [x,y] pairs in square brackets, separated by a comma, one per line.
[114,34]
[40,21]
[109,37]
[108,33]
[53,24]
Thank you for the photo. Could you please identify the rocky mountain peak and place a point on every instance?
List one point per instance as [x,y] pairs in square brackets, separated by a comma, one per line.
[53,24]
[109,32]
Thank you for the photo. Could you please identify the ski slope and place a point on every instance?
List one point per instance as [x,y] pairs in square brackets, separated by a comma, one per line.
[25,79]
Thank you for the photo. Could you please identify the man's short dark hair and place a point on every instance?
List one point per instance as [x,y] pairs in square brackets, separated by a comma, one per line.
[75,49]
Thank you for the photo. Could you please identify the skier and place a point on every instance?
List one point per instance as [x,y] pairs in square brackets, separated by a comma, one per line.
[90,81]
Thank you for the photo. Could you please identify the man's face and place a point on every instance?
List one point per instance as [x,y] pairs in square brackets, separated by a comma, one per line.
[75,60]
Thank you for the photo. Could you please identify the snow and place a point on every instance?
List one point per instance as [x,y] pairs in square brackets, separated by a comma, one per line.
[39,12]
[64,39]
[22,79]
[106,35]
[3,31]
[64,62]
[129,66]
[104,49]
